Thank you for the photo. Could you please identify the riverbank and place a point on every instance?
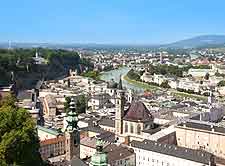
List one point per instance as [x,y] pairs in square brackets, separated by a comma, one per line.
[154,88]
[193,96]
[143,85]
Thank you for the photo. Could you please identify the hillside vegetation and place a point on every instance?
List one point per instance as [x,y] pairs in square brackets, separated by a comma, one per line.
[26,73]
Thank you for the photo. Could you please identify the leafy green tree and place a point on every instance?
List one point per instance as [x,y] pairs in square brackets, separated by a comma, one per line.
[19,143]
[92,74]
[219,74]
[27,73]
[133,75]
[221,83]
[167,70]
[207,76]
[81,104]
[67,104]
[165,84]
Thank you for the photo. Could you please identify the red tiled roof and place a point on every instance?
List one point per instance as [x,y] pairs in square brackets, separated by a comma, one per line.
[53,141]
[138,112]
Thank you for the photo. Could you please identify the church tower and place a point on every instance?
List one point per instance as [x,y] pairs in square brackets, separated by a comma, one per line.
[210,97]
[130,95]
[120,101]
[72,134]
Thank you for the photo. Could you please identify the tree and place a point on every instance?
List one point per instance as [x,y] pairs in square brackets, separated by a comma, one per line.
[221,83]
[133,75]
[67,104]
[19,143]
[81,104]
[165,84]
[206,76]
[92,74]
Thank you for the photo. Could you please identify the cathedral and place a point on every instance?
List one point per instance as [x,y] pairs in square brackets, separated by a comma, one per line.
[130,123]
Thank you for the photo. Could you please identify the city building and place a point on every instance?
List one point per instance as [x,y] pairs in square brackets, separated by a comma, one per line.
[201,135]
[160,154]
[130,123]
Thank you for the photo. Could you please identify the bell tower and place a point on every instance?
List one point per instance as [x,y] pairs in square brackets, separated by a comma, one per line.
[120,101]
[72,133]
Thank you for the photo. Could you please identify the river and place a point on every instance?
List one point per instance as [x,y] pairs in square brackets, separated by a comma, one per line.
[115,74]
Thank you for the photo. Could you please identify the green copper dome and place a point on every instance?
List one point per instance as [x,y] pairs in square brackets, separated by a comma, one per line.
[99,158]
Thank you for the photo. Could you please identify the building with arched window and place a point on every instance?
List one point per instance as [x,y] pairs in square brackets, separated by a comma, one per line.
[131,122]
[138,129]
[126,127]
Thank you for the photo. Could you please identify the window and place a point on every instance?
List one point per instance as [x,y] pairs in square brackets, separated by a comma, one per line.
[131,128]
[138,129]
[126,127]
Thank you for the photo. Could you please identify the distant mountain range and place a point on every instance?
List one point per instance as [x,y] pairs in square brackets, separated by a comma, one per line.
[199,41]
[195,42]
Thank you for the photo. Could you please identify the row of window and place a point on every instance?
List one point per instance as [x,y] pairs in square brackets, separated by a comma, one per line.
[132,128]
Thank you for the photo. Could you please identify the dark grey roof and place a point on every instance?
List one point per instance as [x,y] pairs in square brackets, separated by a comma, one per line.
[219,129]
[115,153]
[195,117]
[77,161]
[153,130]
[203,126]
[108,104]
[107,137]
[101,96]
[24,95]
[107,122]
[172,150]
[95,129]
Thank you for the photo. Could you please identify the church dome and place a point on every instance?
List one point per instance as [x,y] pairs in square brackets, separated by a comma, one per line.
[99,158]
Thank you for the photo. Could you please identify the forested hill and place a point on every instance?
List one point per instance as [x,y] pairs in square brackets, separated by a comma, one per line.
[26,73]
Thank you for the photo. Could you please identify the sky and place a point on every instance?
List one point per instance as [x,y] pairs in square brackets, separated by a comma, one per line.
[109,21]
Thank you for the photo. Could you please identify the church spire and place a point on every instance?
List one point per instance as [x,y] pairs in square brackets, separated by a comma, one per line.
[72,133]
[72,117]
[210,97]
[120,87]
